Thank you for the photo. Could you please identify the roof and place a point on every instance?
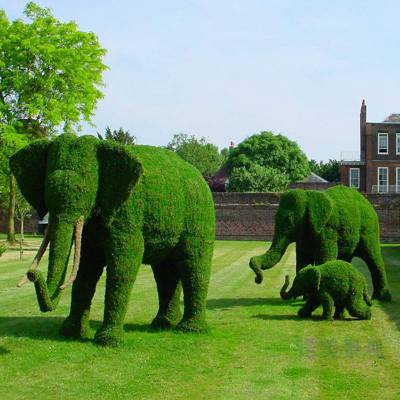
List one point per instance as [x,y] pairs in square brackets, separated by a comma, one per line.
[313,178]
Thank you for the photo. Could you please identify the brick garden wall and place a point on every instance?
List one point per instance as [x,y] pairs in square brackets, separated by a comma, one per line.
[250,216]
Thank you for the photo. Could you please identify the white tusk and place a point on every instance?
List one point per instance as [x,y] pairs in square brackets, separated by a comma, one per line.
[39,255]
[77,253]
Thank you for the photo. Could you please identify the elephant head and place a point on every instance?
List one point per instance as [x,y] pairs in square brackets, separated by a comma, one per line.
[301,213]
[307,281]
[72,179]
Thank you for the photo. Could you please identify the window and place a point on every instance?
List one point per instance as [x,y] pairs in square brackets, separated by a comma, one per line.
[397,143]
[383,180]
[354,177]
[383,145]
[397,180]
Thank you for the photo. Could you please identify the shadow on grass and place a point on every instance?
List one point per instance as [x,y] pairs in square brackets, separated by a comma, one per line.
[32,327]
[391,254]
[248,302]
[294,317]
[48,328]
[141,328]
[4,351]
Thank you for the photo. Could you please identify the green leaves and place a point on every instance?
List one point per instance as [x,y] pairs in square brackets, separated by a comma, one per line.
[270,151]
[50,72]
[329,170]
[257,179]
[198,152]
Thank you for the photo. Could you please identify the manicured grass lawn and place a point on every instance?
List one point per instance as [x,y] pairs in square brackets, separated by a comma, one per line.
[257,347]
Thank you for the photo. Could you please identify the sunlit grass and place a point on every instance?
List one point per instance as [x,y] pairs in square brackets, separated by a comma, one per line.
[257,347]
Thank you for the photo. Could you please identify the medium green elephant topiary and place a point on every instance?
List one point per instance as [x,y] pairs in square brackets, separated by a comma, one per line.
[122,206]
[339,223]
[337,285]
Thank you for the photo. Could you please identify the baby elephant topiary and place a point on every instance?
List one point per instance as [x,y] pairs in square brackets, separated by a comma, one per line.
[336,285]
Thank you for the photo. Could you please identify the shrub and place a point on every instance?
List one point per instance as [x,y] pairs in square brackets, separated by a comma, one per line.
[257,179]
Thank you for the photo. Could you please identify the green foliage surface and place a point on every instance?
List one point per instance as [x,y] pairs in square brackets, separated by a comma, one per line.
[271,151]
[50,72]
[198,152]
[336,285]
[257,179]
[338,223]
[256,348]
[329,170]
[139,204]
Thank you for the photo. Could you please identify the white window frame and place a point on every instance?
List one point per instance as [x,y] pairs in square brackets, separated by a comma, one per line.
[358,177]
[383,134]
[397,180]
[387,180]
[398,143]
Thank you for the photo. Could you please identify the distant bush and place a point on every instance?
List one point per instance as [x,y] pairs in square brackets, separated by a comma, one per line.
[257,179]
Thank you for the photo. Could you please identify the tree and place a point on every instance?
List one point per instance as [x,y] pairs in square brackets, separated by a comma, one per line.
[198,152]
[22,211]
[120,136]
[257,179]
[329,171]
[273,151]
[50,73]
[10,142]
[50,80]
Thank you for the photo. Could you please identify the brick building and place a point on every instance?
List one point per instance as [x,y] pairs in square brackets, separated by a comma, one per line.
[376,169]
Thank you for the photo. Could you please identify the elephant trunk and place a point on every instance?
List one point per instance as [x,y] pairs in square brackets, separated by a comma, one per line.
[48,292]
[284,294]
[270,258]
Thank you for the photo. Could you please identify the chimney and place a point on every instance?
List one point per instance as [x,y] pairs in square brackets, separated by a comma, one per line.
[363,130]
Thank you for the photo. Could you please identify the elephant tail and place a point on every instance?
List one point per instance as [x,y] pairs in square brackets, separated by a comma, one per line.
[367,298]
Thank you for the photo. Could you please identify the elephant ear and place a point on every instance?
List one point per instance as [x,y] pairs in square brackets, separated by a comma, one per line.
[120,170]
[29,168]
[319,209]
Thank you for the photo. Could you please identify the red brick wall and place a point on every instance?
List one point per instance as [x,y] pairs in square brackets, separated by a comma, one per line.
[345,172]
[375,160]
[251,216]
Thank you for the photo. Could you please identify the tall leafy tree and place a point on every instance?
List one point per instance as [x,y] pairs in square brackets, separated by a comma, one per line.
[10,142]
[202,154]
[50,80]
[275,152]
[50,73]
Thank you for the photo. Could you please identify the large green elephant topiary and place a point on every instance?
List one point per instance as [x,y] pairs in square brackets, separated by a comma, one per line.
[337,285]
[123,206]
[339,223]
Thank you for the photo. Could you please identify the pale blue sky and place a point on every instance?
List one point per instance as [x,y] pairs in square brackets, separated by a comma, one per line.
[228,69]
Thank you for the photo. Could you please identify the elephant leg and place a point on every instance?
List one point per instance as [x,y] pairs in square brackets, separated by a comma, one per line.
[308,308]
[327,306]
[369,250]
[91,265]
[169,291]
[124,257]
[357,307]
[194,264]
[326,248]
[304,255]
[339,312]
